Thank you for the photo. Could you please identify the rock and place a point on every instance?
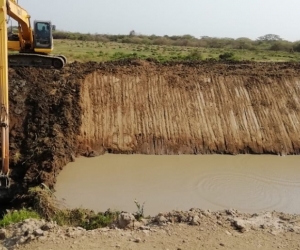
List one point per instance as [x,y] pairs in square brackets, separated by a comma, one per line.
[22,240]
[42,238]
[144,228]
[137,240]
[38,232]
[137,224]
[126,220]
[3,234]
[240,225]
[47,226]
[73,157]
[161,220]
[228,233]
[207,213]
[195,220]
[145,221]
[147,232]
[31,237]
[220,223]
[230,212]
[92,154]
[18,111]
[74,232]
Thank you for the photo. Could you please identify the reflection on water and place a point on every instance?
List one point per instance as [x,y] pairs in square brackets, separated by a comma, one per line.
[249,183]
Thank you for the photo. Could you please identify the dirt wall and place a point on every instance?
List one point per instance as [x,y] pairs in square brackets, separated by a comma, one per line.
[184,109]
[144,107]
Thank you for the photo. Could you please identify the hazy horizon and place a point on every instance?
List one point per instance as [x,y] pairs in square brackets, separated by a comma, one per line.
[218,18]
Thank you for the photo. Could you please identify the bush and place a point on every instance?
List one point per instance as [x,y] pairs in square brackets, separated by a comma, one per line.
[194,55]
[122,55]
[296,47]
[227,56]
[281,46]
[86,219]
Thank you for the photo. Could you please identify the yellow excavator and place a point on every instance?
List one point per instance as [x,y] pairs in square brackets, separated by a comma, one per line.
[34,45]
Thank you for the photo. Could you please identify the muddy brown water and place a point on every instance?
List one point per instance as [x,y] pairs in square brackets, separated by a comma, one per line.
[249,183]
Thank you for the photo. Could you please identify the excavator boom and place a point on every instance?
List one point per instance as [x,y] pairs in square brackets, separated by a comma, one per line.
[4,124]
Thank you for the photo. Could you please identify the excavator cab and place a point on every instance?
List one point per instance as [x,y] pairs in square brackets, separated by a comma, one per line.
[43,35]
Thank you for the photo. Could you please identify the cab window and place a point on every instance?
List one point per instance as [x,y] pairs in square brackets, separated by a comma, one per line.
[43,34]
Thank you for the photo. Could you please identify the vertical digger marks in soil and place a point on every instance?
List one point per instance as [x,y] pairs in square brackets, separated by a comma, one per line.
[171,110]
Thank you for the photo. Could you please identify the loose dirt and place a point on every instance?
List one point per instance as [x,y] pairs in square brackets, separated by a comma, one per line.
[194,229]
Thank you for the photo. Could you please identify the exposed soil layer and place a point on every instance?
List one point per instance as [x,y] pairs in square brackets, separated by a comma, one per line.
[149,108]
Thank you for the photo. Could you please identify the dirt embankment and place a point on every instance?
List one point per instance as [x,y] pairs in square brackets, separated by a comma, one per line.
[149,108]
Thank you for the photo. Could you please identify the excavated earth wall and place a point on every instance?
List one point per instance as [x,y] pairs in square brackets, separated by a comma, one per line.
[150,108]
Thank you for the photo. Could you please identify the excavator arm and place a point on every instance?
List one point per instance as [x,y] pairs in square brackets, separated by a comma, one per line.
[25,34]
[4,124]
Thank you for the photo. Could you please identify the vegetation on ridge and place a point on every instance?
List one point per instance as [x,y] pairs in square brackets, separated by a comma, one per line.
[103,47]
[88,47]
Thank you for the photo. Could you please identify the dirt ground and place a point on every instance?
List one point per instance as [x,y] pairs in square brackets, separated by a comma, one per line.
[149,108]
[175,237]
[221,230]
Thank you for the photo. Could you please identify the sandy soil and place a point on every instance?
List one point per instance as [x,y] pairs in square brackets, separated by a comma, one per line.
[175,237]
[221,230]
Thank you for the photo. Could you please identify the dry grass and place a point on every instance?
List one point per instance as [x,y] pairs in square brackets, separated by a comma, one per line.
[46,205]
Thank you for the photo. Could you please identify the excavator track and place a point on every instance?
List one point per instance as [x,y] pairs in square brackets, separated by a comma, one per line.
[36,60]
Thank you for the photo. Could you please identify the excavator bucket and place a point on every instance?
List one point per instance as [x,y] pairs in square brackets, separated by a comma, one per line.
[4,105]
[4,188]
[4,182]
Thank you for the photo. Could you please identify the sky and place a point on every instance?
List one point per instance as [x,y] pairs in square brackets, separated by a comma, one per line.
[214,18]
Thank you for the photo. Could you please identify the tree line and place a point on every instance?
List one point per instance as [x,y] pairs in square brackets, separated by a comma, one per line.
[267,42]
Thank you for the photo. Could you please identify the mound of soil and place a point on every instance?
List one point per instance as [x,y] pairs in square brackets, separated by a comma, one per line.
[150,108]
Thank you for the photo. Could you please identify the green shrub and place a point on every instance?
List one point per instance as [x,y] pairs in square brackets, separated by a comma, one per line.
[18,216]
[85,218]
[194,55]
[140,210]
[227,56]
